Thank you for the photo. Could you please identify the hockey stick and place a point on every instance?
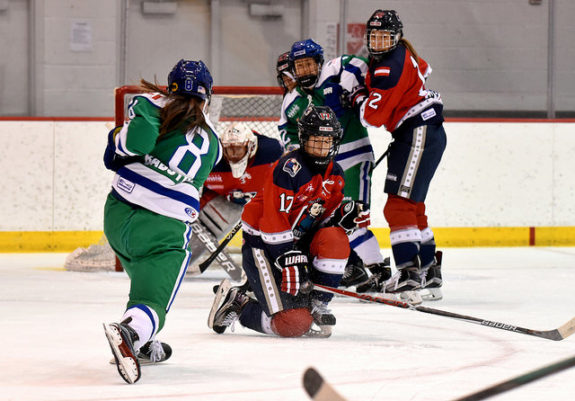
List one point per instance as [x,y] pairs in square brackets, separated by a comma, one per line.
[520,380]
[383,156]
[206,263]
[317,388]
[556,334]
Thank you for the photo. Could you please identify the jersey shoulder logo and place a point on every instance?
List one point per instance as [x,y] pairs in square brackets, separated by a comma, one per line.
[292,167]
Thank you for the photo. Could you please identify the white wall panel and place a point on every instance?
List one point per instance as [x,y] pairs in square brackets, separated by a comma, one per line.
[27,165]
[81,181]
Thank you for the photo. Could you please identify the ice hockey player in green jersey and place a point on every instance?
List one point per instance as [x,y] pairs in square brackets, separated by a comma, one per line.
[161,157]
[331,85]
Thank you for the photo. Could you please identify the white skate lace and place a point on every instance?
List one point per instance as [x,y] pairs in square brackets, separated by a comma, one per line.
[319,307]
[391,284]
[230,321]
[157,353]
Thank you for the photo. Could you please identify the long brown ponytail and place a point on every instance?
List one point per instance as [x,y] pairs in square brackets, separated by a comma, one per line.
[409,46]
[181,112]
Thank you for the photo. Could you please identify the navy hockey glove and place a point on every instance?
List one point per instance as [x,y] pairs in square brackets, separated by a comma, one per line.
[112,161]
[294,267]
[352,215]
[354,99]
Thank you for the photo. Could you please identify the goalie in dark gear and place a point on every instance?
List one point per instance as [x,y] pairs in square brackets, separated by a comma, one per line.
[291,240]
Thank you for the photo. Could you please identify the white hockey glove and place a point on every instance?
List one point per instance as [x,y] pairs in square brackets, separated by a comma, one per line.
[294,267]
[352,215]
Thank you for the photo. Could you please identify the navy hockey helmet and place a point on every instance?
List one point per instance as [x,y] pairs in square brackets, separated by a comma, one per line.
[319,121]
[383,20]
[190,78]
[306,49]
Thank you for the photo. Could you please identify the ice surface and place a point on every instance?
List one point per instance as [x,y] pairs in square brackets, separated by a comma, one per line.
[54,348]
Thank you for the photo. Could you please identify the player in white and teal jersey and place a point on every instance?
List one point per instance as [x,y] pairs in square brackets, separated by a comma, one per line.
[330,85]
[161,157]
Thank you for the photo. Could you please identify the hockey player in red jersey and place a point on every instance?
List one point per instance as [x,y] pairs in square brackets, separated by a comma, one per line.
[396,98]
[247,156]
[294,235]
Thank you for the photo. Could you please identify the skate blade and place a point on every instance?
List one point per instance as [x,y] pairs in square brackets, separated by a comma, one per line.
[223,289]
[431,294]
[128,365]
[317,331]
[411,297]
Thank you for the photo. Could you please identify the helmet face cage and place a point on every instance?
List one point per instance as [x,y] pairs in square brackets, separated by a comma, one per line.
[385,21]
[190,78]
[306,49]
[319,121]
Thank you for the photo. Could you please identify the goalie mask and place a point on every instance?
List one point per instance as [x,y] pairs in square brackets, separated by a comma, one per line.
[383,31]
[240,145]
[190,78]
[320,134]
[306,60]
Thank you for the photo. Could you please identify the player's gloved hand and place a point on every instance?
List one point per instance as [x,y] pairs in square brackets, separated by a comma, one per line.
[113,161]
[294,267]
[355,98]
[352,215]
[239,197]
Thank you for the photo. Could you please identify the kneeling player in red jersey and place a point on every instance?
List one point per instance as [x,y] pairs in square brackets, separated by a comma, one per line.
[294,235]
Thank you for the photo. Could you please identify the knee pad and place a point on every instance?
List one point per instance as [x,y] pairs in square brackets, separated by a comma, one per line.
[400,212]
[292,322]
[330,243]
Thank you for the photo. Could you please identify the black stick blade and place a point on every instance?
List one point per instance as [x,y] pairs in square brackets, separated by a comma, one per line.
[317,388]
[312,382]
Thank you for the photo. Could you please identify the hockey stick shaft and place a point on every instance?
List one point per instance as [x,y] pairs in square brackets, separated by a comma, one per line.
[520,380]
[383,156]
[557,334]
[206,263]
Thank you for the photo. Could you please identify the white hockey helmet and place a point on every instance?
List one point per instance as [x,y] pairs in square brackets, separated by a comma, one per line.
[240,145]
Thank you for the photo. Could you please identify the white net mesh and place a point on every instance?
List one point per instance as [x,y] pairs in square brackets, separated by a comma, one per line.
[259,108]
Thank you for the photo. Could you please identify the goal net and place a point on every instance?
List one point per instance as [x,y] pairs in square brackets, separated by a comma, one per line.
[258,107]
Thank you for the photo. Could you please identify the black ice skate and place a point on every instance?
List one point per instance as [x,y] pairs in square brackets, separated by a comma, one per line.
[354,274]
[380,273]
[121,338]
[225,314]
[406,282]
[432,281]
[153,352]
[323,319]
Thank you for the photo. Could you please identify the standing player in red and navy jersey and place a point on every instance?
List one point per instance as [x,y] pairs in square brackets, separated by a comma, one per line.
[297,217]
[247,156]
[396,98]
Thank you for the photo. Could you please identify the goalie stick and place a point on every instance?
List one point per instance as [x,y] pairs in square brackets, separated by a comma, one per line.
[520,380]
[206,263]
[317,388]
[556,334]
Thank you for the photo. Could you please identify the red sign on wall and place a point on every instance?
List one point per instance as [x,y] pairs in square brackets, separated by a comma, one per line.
[354,39]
